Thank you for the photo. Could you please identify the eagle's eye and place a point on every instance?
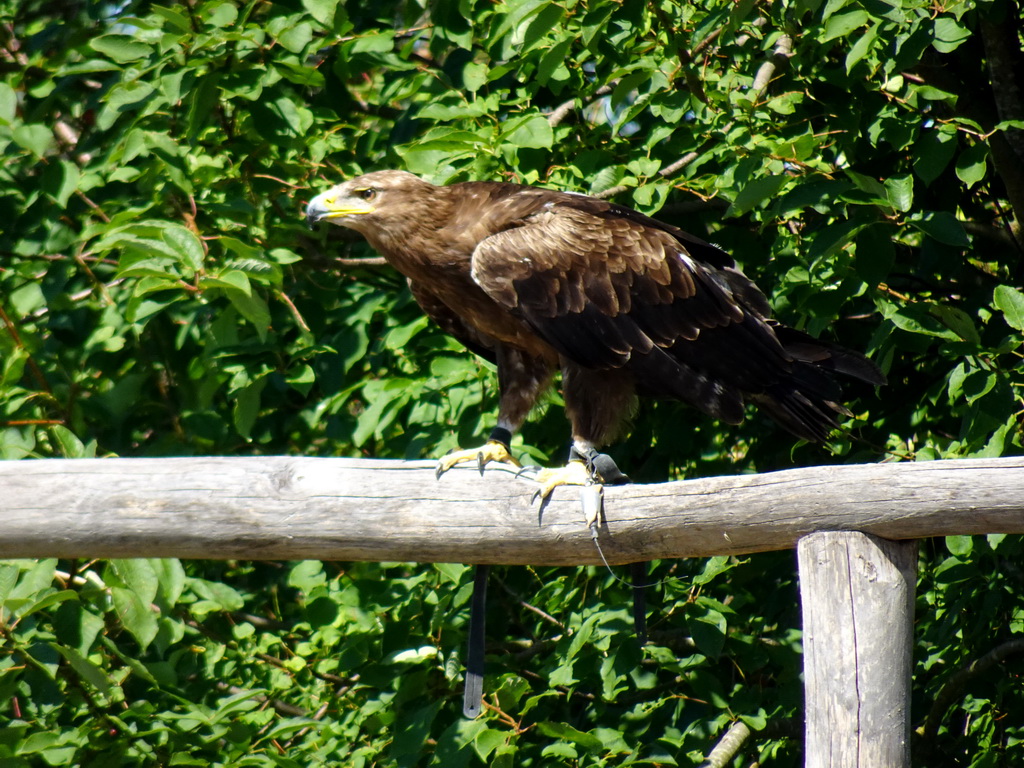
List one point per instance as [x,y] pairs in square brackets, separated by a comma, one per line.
[368,194]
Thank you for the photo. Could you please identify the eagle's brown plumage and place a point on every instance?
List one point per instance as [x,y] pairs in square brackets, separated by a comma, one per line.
[540,280]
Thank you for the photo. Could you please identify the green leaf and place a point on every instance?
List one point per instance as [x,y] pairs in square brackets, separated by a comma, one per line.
[376,42]
[170,579]
[971,164]
[533,131]
[1010,302]
[708,632]
[85,669]
[862,47]
[713,567]
[950,34]
[247,406]
[222,595]
[474,76]
[322,10]
[173,18]
[8,104]
[120,48]
[899,190]
[229,278]
[219,14]
[135,615]
[957,321]
[842,24]
[296,38]
[552,66]
[307,575]
[567,733]
[185,244]
[37,139]
[917,319]
[489,740]
[53,598]
[252,307]
[941,226]
[139,576]
[960,545]
[302,379]
[932,154]
[71,447]
[754,193]
[67,180]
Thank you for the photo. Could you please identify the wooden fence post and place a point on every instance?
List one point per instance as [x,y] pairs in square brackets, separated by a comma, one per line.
[857,593]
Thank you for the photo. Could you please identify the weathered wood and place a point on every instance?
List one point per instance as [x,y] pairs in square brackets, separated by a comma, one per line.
[857,595]
[349,509]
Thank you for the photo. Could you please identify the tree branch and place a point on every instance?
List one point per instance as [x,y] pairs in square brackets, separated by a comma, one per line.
[1000,35]
[728,746]
[955,686]
[780,55]
[559,113]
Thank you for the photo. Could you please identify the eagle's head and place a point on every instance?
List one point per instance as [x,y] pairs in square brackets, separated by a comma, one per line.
[370,203]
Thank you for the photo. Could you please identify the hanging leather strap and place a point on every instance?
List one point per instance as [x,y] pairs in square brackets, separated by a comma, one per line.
[472,697]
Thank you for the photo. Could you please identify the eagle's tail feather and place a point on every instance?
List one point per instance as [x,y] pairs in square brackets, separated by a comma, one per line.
[807,402]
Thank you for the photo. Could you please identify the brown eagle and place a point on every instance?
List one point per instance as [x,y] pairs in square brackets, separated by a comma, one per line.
[623,305]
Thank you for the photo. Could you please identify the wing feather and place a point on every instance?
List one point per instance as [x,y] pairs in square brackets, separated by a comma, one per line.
[614,292]
[452,324]
[609,288]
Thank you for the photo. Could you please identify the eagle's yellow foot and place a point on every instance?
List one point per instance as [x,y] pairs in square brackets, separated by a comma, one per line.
[573,473]
[490,451]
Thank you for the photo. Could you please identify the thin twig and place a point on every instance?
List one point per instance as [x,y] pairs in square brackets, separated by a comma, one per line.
[665,172]
[281,707]
[294,310]
[37,373]
[546,616]
[365,261]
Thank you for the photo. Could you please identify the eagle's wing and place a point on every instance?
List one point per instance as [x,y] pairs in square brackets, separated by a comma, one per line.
[451,323]
[609,288]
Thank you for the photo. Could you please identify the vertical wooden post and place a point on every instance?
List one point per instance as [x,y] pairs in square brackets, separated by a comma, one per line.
[857,593]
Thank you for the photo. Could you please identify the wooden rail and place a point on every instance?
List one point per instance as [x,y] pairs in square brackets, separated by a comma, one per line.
[349,509]
[856,577]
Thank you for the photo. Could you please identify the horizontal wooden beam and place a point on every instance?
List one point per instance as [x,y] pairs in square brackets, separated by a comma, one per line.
[353,509]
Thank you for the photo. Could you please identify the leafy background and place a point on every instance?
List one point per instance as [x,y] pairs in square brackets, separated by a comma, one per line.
[159,295]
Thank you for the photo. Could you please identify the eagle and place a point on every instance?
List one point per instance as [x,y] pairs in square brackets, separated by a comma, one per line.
[623,305]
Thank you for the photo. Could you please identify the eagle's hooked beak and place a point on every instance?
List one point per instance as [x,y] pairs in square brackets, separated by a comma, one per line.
[333,204]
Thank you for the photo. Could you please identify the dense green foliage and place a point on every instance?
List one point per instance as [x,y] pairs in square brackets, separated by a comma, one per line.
[159,295]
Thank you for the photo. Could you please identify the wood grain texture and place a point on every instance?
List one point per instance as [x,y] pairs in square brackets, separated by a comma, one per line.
[354,509]
[857,597]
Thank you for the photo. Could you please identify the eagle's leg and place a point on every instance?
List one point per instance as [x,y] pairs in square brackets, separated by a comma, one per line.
[597,403]
[586,465]
[521,379]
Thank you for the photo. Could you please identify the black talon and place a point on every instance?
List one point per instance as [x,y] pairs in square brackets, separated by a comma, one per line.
[480,463]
